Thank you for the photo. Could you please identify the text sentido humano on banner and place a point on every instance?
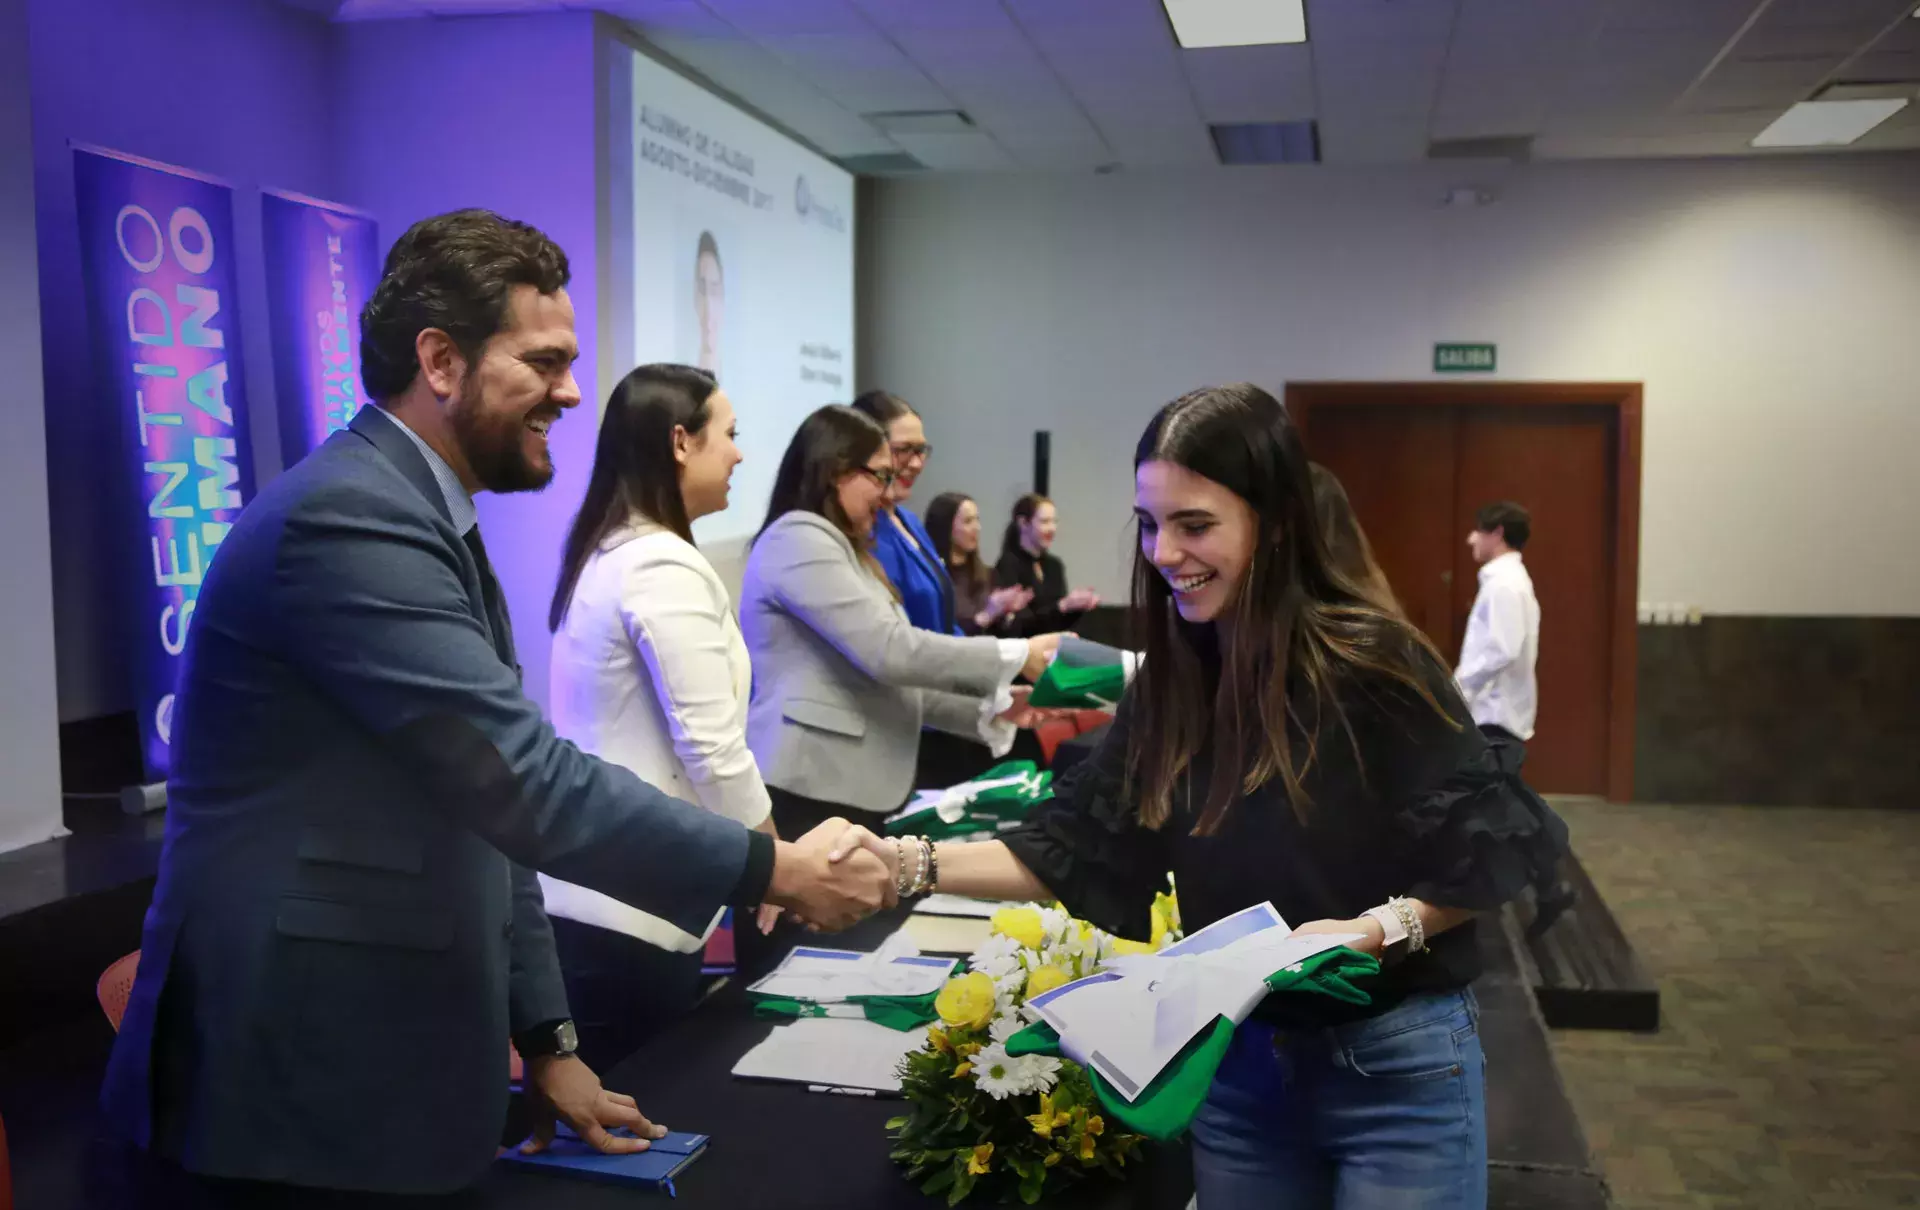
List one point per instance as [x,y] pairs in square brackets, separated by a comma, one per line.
[157,246]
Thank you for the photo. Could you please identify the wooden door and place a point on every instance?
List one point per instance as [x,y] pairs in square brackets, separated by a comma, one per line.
[1398,467]
[1418,471]
[1559,463]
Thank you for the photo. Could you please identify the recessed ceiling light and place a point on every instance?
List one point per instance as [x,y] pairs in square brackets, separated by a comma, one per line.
[1201,23]
[1827,123]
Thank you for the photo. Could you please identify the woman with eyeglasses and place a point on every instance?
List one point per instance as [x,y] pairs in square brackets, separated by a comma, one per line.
[843,681]
[908,553]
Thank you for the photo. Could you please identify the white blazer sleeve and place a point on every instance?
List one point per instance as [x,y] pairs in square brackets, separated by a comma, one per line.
[679,627]
[809,573]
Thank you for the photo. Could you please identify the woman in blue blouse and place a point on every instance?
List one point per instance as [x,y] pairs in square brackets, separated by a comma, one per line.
[900,542]
[911,560]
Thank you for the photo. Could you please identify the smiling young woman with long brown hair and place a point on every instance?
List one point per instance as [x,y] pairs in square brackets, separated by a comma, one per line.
[1290,737]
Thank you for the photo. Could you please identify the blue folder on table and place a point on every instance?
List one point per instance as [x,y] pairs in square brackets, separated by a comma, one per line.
[654,1168]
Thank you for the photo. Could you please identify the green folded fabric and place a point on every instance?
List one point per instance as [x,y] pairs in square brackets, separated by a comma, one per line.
[904,1013]
[1083,676]
[1165,1108]
[997,799]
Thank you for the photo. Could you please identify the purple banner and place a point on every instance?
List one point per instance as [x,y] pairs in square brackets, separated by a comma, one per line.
[322,262]
[157,245]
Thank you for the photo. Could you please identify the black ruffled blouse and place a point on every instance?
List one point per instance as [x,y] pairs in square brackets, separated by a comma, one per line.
[1439,815]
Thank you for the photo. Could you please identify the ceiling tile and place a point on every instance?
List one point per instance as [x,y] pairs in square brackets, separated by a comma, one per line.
[1114,23]
[1638,147]
[863,71]
[974,152]
[957,16]
[1387,79]
[1251,83]
[1722,18]
[772,18]
[765,83]
[1345,22]
[689,17]
[1871,13]
[1371,141]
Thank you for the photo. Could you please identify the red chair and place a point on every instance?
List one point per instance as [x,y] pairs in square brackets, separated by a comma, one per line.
[115,985]
[1055,732]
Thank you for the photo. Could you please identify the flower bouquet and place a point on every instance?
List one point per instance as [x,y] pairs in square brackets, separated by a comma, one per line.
[985,1122]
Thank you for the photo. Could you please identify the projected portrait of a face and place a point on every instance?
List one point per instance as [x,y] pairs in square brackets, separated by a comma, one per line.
[709,300]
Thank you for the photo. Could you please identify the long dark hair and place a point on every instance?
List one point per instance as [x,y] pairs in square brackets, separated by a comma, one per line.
[1300,629]
[1023,511]
[831,442]
[634,471]
[1347,544]
[940,514]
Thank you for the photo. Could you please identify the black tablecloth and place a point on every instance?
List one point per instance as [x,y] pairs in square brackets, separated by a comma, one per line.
[777,1145]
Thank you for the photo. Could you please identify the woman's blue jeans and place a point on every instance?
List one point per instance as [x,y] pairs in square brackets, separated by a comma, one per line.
[1383,1114]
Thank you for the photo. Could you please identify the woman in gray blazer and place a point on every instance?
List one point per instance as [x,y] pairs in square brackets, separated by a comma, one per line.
[843,682]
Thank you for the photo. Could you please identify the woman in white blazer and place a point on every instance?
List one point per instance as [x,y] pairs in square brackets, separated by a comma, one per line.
[843,681]
[649,671]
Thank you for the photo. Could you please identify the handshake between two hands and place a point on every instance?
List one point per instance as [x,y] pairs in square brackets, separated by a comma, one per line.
[835,876]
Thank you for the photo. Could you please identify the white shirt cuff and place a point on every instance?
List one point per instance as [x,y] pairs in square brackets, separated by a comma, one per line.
[995,732]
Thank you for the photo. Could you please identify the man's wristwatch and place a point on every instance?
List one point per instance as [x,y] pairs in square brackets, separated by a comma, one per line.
[555,1039]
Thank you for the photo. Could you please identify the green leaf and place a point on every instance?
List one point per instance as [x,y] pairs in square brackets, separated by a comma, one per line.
[897,1123]
[938,1181]
[962,1185]
[1032,1182]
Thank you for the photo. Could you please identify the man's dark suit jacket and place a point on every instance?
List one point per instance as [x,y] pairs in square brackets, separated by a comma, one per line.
[346,929]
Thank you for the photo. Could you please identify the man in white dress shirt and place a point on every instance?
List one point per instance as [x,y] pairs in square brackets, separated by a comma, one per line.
[1497,659]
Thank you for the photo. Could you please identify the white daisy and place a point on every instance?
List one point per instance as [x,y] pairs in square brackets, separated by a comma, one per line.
[1000,956]
[1037,1073]
[1005,1027]
[999,1075]
[1056,923]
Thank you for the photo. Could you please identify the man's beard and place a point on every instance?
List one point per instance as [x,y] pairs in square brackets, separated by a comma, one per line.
[494,448]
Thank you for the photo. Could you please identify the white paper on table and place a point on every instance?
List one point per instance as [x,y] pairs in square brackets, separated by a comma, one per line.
[958,905]
[842,1052]
[824,976]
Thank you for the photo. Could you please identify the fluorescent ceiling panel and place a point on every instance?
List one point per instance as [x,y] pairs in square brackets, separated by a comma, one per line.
[1202,23]
[1827,123]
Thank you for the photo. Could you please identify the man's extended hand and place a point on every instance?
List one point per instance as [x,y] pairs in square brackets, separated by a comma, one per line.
[565,1089]
[829,894]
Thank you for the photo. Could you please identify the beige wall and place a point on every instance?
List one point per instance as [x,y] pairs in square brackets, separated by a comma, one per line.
[1772,309]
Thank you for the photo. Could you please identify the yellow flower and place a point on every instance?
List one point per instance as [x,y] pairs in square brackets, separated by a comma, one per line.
[1048,1118]
[1086,1147]
[961,1071]
[938,1037]
[981,1161]
[966,1050]
[1166,917]
[1053,1157]
[1045,979]
[1161,927]
[1122,946]
[1021,924]
[1095,1125]
[966,1001]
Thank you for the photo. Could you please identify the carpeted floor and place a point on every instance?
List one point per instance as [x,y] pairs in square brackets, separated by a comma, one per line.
[1786,1073]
